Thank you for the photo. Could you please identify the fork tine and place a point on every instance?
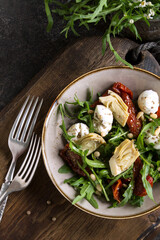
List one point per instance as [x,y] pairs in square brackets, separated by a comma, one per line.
[29,119]
[23,119]
[35,166]
[16,122]
[29,153]
[34,120]
[20,127]
[33,161]
[29,160]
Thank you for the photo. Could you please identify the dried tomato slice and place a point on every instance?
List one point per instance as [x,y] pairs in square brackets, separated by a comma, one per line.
[158,112]
[139,189]
[72,158]
[133,123]
[116,190]
[119,88]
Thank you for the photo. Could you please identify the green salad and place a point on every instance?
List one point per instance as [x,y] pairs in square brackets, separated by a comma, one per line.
[108,157]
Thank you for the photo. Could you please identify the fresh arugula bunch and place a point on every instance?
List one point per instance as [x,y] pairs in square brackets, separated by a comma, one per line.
[148,154]
[86,187]
[120,14]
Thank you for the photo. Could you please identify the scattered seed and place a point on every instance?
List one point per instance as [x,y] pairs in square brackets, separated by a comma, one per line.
[97,154]
[28,212]
[93,177]
[103,134]
[153,115]
[157,131]
[140,115]
[90,111]
[48,202]
[124,185]
[130,135]
[98,187]
[54,219]
[98,193]
[151,165]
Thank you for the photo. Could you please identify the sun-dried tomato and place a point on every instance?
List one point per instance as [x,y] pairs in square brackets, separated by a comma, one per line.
[137,167]
[72,158]
[116,190]
[126,94]
[139,189]
[119,88]
[133,123]
[158,112]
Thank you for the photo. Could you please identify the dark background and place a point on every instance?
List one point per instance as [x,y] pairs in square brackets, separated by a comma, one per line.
[25,46]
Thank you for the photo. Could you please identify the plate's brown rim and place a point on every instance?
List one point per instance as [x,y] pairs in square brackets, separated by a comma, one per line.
[45,158]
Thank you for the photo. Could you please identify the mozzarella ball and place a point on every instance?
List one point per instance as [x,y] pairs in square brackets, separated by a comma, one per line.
[151,138]
[78,130]
[148,101]
[102,120]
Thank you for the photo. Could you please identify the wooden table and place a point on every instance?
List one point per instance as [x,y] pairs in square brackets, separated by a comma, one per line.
[60,220]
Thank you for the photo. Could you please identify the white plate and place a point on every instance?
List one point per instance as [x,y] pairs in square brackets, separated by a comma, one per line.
[52,141]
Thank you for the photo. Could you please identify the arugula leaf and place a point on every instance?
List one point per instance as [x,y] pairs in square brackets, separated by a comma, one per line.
[82,110]
[121,15]
[140,139]
[136,201]
[64,169]
[100,182]
[118,177]
[63,127]
[154,174]
[95,163]
[49,15]
[127,194]
[144,172]
[90,192]
[86,191]
[92,201]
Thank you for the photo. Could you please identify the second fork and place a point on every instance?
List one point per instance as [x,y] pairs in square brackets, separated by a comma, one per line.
[19,138]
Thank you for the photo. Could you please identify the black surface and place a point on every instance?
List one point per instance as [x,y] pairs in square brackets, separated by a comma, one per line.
[25,46]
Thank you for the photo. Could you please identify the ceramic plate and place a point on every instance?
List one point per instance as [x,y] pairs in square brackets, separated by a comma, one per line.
[52,141]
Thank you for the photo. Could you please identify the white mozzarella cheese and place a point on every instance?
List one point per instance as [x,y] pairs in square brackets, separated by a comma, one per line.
[148,101]
[103,119]
[78,130]
[150,138]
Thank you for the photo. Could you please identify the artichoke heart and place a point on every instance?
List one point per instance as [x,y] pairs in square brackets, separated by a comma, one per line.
[117,106]
[124,156]
[90,142]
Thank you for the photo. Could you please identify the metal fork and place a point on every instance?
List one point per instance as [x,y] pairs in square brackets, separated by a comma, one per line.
[19,138]
[27,169]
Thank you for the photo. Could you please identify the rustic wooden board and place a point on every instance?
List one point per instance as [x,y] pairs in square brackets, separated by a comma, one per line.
[71,223]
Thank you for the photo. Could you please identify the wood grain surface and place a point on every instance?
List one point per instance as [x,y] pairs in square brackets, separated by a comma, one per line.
[60,220]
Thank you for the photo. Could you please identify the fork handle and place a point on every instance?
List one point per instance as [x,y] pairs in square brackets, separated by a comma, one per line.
[4,196]
[10,173]
[3,205]
[5,186]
